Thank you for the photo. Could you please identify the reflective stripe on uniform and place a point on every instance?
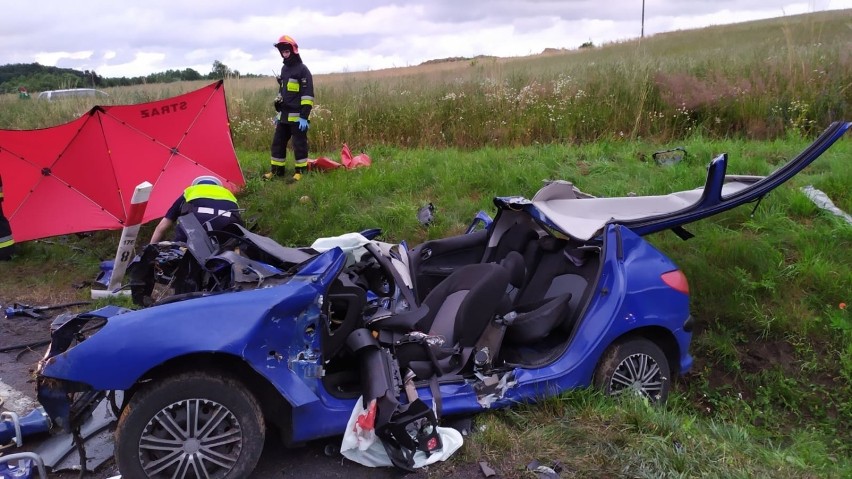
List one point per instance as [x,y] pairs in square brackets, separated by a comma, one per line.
[213,211]
[292,84]
[293,117]
[307,100]
[278,161]
[6,241]
[301,163]
[212,192]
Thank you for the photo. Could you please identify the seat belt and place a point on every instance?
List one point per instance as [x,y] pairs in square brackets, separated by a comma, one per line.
[435,389]
[487,348]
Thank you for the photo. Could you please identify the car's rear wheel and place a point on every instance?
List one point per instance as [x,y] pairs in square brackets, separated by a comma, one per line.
[191,425]
[635,366]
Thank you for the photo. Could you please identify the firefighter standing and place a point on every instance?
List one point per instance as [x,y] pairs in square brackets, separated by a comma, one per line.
[213,204]
[293,104]
[7,243]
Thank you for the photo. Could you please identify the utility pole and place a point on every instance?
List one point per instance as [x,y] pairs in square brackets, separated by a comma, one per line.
[642,35]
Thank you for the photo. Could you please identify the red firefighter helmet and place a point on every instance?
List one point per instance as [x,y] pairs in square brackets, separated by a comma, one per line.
[288,40]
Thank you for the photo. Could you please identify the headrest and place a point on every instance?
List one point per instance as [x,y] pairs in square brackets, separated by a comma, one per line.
[515,239]
[514,264]
[550,244]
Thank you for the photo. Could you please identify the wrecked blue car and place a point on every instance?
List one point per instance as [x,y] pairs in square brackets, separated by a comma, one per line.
[558,292]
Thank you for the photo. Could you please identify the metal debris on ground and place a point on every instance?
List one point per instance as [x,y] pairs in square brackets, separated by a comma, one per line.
[35,312]
[487,471]
[60,453]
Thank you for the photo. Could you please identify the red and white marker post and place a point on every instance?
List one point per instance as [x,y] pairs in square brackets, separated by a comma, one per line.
[127,244]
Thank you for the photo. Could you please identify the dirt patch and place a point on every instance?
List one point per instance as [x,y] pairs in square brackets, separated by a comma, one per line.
[29,338]
[755,357]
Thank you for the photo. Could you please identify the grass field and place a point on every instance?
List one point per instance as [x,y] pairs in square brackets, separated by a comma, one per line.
[771,391]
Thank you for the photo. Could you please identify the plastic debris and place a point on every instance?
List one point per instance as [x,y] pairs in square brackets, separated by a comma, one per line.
[426,214]
[360,443]
[823,201]
[542,471]
[669,157]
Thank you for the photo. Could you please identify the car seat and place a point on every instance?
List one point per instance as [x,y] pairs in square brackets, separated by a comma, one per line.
[438,337]
[538,308]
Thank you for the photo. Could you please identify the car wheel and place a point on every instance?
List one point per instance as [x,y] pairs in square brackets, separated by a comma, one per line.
[190,425]
[636,366]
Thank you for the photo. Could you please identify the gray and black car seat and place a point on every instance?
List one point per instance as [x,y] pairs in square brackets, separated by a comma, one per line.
[534,315]
[455,313]
[516,238]
[435,339]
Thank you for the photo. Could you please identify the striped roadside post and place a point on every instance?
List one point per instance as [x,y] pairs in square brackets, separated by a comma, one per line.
[127,244]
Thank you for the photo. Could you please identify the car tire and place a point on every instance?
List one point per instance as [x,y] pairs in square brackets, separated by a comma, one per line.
[636,365]
[153,437]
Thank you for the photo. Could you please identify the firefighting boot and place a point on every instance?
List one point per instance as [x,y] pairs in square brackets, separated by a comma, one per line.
[275,171]
[299,172]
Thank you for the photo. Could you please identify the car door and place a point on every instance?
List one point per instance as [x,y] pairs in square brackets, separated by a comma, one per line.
[432,261]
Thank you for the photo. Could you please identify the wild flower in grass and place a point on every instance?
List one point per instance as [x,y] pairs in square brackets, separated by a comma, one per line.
[554,114]
[654,115]
[795,116]
[246,127]
[320,112]
[562,82]
[452,96]
[529,94]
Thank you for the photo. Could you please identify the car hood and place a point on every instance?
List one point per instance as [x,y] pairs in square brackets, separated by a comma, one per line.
[131,343]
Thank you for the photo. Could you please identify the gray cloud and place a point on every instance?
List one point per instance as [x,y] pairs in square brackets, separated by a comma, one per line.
[119,39]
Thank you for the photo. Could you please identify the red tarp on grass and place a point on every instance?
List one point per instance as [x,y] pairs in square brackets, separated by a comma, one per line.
[80,176]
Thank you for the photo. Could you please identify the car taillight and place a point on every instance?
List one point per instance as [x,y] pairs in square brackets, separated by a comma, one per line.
[676,280]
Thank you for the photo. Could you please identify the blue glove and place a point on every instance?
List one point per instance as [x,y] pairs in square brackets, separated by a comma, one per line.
[303,124]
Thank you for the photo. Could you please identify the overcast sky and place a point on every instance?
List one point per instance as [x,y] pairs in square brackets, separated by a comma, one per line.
[116,38]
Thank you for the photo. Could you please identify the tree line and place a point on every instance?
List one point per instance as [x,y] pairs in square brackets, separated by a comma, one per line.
[35,77]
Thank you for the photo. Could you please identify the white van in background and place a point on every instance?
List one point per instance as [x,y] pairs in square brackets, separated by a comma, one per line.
[70,93]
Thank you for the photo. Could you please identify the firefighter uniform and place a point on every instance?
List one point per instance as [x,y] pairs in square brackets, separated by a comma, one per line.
[7,243]
[212,204]
[293,103]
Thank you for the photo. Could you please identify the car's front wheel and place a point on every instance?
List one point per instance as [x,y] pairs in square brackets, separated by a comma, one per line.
[191,425]
[635,366]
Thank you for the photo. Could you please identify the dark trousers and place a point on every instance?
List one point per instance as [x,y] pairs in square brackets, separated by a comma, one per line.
[7,244]
[284,131]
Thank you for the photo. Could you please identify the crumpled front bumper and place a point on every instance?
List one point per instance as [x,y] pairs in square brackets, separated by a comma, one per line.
[68,402]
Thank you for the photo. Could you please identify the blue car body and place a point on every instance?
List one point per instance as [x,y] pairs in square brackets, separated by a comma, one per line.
[279,332]
[275,331]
